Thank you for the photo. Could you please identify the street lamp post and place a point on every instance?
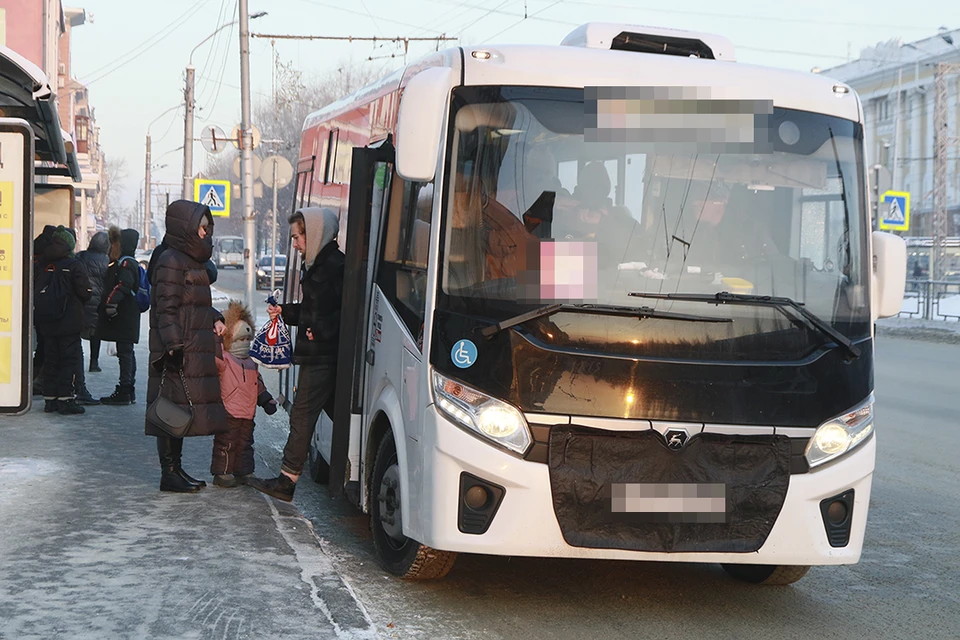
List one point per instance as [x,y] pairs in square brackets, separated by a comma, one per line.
[188,99]
[246,154]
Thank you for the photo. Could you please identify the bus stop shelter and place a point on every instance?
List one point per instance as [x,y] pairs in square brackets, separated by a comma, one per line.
[33,148]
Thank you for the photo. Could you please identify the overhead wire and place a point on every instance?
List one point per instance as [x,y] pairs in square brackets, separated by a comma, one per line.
[213,51]
[146,45]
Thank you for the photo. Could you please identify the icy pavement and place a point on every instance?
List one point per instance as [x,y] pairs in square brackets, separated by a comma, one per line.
[92,548]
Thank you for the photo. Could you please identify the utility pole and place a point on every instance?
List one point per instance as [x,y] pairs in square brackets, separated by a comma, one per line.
[146,200]
[188,135]
[895,181]
[941,142]
[246,155]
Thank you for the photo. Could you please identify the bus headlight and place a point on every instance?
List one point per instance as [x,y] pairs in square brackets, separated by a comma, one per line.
[840,435]
[261,272]
[493,419]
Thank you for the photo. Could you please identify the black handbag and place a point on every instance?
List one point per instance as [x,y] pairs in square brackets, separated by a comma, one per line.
[168,415]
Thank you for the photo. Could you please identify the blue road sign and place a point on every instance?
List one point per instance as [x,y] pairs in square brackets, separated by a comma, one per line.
[894,211]
[213,193]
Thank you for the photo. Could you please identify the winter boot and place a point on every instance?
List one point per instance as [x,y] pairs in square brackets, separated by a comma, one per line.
[242,478]
[50,405]
[69,407]
[84,397]
[120,396]
[280,487]
[177,452]
[225,481]
[170,480]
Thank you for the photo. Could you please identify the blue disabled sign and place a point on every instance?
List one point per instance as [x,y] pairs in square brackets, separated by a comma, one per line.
[213,193]
[464,354]
[894,211]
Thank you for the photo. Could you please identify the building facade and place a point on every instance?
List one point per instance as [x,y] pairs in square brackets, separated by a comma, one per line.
[40,31]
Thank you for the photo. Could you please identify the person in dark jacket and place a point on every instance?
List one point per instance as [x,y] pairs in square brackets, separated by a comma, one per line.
[317,318]
[118,313]
[40,244]
[96,261]
[183,336]
[60,331]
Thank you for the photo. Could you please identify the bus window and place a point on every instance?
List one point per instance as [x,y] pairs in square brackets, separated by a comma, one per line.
[402,273]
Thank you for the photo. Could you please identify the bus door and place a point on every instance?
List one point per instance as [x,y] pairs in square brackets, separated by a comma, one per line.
[291,280]
[370,180]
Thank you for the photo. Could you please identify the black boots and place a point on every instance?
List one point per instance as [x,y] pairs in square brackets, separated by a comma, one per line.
[95,367]
[69,408]
[122,395]
[63,407]
[84,397]
[280,487]
[172,477]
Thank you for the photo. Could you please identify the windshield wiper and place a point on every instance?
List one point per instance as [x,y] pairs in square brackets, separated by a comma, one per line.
[782,304]
[596,309]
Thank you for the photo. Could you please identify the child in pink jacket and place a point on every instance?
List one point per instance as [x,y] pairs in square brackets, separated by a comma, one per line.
[242,390]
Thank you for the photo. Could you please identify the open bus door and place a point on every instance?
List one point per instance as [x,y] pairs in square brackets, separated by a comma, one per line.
[370,179]
[291,280]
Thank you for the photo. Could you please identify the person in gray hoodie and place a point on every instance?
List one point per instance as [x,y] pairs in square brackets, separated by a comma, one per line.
[317,317]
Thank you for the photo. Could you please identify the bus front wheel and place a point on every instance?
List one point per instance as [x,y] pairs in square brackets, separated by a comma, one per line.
[767,574]
[317,466]
[398,554]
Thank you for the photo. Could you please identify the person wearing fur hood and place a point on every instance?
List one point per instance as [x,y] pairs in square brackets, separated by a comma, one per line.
[243,391]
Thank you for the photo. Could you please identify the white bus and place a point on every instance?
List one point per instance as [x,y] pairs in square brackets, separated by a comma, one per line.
[608,299]
[228,252]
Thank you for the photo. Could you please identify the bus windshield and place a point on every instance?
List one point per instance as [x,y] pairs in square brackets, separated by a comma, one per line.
[540,212]
[230,245]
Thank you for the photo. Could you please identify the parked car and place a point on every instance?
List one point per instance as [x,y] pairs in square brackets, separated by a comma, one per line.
[264,271]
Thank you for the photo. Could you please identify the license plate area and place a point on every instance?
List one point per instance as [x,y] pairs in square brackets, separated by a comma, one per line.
[616,490]
[668,503]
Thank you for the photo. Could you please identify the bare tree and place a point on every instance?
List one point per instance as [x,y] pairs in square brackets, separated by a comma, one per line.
[280,120]
[109,204]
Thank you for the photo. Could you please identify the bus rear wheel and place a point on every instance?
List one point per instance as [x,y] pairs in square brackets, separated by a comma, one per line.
[398,554]
[767,574]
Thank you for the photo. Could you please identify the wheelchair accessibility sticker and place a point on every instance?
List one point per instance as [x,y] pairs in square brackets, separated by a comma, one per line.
[464,354]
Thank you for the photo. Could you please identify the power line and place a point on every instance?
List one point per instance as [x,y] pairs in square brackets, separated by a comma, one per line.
[147,44]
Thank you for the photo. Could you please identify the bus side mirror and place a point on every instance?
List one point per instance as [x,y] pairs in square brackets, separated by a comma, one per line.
[889,274]
[421,123]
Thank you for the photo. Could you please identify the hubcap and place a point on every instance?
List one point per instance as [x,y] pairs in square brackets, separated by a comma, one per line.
[390,504]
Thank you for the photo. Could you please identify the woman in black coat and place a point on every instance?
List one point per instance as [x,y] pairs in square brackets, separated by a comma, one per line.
[96,261]
[183,330]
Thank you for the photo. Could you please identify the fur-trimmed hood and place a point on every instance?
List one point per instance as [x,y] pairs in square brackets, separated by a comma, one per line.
[236,311]
[122,243]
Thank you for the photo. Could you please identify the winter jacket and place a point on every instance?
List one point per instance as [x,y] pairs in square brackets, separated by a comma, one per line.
[58,255]
[95,261]
[182,321]
[241,386]
[120,290]
[321,288]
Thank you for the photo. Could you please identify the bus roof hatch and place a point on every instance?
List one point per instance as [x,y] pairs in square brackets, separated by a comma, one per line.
[673,42]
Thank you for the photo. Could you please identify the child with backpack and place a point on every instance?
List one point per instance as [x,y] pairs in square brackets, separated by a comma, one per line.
[124,293]
[61,287]
[242,390]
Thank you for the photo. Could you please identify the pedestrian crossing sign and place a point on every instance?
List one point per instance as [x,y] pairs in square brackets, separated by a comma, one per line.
[894,211]
[214,194]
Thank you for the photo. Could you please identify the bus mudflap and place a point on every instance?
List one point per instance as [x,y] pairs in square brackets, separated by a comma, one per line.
[630,490]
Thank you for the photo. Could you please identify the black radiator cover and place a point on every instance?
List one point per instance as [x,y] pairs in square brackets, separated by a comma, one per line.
[584,462]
